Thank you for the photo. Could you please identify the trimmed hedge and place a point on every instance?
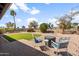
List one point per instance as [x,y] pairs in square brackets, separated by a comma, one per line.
[30,30]
[43,27]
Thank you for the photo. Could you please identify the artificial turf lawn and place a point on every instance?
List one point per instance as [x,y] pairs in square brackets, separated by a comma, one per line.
[18,36]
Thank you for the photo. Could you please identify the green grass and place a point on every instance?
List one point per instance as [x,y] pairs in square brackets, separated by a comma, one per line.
[18,36]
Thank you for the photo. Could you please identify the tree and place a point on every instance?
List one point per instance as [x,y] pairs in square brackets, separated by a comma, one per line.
[74,25]
[65,21]
[43,27]
[18,28]
[68,25]
[23,28]
[33,24]
[77,28]
[50,26]
[9,25]
[13,13]
[62,24]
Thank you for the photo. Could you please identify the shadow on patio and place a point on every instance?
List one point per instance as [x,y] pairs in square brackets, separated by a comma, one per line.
[17,48]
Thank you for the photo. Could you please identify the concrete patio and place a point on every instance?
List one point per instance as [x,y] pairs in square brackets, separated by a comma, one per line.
[20,48]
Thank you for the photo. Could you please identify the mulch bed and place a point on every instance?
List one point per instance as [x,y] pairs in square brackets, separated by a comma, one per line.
[44,48]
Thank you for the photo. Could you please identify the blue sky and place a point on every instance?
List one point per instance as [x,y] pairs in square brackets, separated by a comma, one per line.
[40,12]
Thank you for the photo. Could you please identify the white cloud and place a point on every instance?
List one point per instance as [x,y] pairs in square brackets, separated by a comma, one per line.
[50,20]
[18,20]
[76,19]
[34,11]
[73,12]
[53,21]
[2,25]
[26,9]
[40,23]
[13,6]
[31,19]
[23,7]
[47,3]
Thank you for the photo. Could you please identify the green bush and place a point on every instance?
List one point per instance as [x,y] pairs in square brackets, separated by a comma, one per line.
[43,27]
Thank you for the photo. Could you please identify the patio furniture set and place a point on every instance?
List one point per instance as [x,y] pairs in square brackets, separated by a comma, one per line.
[50,41]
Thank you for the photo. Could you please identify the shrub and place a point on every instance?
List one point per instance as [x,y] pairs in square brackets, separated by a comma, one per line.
[49,31]
[69,32]
[43,27]
[10,30]
[2,30]
[18,30]
[30,30]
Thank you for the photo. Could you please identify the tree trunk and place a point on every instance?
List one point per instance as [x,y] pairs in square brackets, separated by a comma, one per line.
[14,23]
[63,31]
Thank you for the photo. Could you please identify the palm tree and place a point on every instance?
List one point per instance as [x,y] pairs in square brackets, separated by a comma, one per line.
[13,13]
